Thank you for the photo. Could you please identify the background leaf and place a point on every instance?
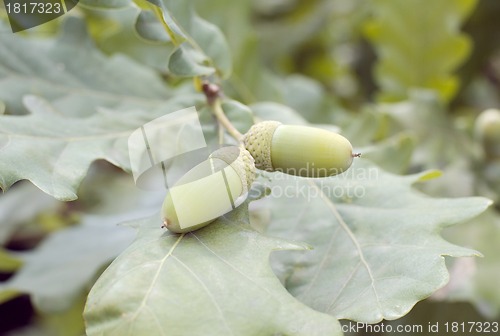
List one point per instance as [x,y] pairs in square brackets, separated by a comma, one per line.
[64,265]
[206,46]
[149,28]
[471,279]
[115,33]
[15,211]
[60,270]
[201,47]
[106,4]
[393,155]
[418,46]
[189,62]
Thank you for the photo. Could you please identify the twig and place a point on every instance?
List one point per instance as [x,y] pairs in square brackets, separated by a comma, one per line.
[213,93]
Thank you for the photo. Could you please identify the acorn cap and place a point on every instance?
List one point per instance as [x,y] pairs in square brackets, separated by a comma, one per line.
[258,142]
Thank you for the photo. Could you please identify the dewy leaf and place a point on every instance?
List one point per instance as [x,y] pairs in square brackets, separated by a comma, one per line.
[418,46]
[213,281]
[377,249]
[54,151]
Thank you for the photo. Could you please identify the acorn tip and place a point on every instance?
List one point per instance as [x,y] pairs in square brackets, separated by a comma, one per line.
[165,224]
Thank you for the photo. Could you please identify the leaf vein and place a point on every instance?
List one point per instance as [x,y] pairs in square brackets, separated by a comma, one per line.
[351,235]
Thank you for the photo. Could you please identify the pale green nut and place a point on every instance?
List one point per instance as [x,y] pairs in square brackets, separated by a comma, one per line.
[487,131]
[298,150]
[209,190]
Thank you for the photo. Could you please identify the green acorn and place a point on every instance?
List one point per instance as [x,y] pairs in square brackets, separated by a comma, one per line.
[487,131]
[209,190]
[298,150]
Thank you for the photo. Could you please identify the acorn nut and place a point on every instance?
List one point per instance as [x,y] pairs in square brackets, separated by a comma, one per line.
[298,150]
[209,190]
[487,131]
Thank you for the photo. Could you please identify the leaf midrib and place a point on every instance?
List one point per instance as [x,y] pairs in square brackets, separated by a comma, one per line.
[351,235]
[155,278]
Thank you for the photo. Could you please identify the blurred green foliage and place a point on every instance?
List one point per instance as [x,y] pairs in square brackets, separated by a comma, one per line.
[403,80]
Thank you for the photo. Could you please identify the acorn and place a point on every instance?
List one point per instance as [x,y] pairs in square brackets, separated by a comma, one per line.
[487,131]
[298,150]
[209,190]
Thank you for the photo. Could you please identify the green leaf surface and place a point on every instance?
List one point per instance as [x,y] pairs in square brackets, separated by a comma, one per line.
[278,112]
[8,263]
[115,32]
[149,28]
[251,81]
[418,46]
[73,72]
[65,264]
[212,41]
[106,4]
[164,8]
[472,280]
[57,159]
[16,211]
[213,281]
[79,86]
[202,48]
[236,23]
[436,316]
[362,129]
[186,61]
[393,154]
[439,141]
[61,268]
[207,48]
[8,295]
[377,249]
[240,115]
[308,98]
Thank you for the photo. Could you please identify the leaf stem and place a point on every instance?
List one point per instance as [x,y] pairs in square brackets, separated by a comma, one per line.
[213,94]
[224,121]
